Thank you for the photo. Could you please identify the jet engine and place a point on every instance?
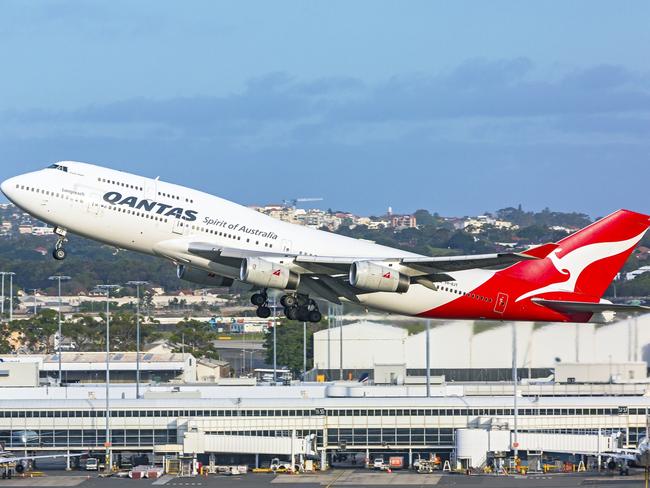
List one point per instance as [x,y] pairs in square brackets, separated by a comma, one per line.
[268,274]
[375,277]
[202,277]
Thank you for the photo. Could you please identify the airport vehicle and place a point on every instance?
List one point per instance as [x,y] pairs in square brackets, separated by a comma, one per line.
[378,463]
[219,243]
[277,464]
[92,464]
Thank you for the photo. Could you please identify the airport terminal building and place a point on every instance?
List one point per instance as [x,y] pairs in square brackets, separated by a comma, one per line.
[252,424]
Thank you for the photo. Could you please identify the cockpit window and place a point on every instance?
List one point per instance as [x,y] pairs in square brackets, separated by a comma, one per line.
[60,167]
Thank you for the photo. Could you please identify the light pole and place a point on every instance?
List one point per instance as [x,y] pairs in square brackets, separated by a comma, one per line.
[2,305]
[339,321]
[33,290]
[59,278]
[137,285]
[11,295]
[515,443]
[107,439]
[304,350]
[428,357]
[275,347]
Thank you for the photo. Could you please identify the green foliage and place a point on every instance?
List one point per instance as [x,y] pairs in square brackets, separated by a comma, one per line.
[545,218]
[88,332]
[195,337]
[424,218]
[37,331]
[88,264]
[290,345]
[5,347]
[638,287]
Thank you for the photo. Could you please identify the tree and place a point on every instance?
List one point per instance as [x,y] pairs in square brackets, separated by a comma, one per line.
[289,345]
[5,347]
[423,217]
[195,337]
[36,332]
[89,332]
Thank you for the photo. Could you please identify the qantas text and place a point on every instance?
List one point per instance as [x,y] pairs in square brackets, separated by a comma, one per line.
[117,198]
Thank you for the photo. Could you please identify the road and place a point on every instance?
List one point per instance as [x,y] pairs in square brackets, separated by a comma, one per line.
[340,478]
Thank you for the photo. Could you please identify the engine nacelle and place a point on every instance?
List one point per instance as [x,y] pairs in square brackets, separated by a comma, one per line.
[375,277]
[202,277]
[268,274]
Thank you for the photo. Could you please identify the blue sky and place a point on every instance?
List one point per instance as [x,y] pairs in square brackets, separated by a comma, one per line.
[456,107]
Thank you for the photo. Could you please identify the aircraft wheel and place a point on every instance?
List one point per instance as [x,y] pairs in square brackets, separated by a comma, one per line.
[303,314]
[289,300]
[59,254]
[258,299]
[20,468]
[314,316]
[291,313]
[263,312]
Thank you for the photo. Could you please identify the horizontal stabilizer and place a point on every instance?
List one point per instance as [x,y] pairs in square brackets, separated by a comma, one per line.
[563,306]
[542,251]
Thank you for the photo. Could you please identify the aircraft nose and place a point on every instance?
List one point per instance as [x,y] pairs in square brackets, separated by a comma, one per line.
[7,185]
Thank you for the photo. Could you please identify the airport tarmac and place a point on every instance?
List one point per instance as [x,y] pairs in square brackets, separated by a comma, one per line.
[341,478]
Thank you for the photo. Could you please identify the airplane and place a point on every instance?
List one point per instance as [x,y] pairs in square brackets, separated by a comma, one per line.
[216,242]
[622,458]
[19,463]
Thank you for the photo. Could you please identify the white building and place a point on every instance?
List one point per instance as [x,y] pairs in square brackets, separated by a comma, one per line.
[90,367]
[461,350]
[475,225]
[256,423]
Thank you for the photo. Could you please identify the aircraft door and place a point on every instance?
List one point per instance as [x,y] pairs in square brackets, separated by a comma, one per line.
[286,246]
[501,303]
[94,205]
[180,227]
[150,189]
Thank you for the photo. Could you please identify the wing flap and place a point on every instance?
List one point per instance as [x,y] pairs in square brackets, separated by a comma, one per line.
[445,264]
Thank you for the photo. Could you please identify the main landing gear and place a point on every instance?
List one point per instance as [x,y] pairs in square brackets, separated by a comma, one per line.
[300,307]
[261,301]
[296,307]
[59,252]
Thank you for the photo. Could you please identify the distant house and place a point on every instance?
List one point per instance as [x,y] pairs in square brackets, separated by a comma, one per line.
[403,222]
[637,272]
[474,225]
[159,347]
[211,370]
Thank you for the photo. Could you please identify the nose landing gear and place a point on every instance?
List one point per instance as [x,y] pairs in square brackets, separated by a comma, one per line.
[59,252]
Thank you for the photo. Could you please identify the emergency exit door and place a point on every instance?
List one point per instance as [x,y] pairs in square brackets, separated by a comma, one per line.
[501,303]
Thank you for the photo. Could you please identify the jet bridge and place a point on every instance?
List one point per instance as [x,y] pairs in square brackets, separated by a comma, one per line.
[203,442]
[474,444]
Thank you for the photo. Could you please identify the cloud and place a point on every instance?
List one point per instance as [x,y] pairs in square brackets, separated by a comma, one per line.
[476,92]
[485,135]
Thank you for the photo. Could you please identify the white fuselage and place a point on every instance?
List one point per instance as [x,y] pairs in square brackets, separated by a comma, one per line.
[155,218]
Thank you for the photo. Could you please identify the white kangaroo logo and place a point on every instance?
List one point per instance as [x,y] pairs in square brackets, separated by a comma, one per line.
[574,263]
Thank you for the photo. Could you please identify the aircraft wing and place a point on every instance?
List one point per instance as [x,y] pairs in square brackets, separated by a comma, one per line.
[16,459]
[327,276]
[418,265]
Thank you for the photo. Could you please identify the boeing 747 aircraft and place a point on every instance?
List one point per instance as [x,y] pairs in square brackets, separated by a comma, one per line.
[215,242]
